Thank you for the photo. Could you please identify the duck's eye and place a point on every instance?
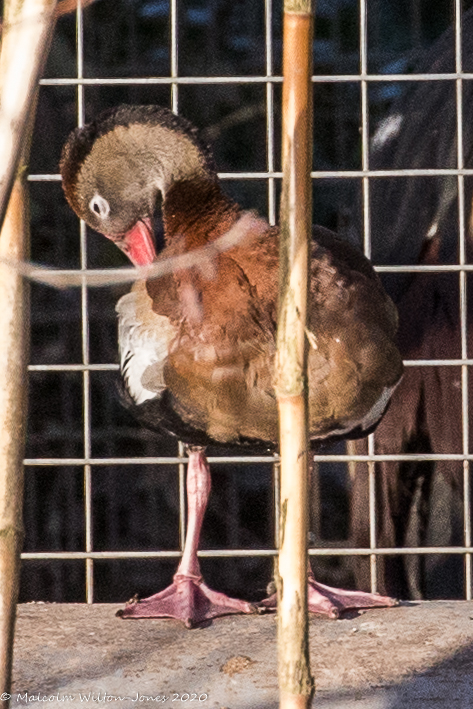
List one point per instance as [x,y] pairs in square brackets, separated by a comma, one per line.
[99,206]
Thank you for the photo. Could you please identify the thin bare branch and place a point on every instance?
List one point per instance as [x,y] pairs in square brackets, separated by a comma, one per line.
[203,259]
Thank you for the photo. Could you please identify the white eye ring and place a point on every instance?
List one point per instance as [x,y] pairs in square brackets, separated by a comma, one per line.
[99,206]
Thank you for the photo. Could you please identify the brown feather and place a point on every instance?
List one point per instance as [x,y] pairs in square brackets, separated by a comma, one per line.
[220,367]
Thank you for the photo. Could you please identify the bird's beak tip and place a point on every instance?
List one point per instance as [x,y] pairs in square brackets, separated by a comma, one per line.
[138,243]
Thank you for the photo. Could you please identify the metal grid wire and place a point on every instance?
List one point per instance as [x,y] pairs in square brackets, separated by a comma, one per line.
[270,175]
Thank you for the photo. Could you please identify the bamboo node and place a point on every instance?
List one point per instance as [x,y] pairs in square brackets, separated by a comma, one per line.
[11,531]
[299,6]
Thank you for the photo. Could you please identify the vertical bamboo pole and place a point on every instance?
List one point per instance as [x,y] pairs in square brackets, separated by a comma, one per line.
[295,681]
[26,31]
[13,360]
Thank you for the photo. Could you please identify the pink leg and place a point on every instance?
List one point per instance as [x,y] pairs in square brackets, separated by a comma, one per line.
[325,600]
[188,598]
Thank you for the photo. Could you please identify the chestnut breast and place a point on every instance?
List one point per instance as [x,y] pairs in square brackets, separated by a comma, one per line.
[219,370]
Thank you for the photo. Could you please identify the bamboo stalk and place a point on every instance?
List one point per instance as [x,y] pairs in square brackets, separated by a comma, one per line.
[13,360]
[26,33]
[295,681]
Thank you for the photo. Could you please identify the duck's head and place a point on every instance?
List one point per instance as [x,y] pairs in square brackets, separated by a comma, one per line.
[115,168]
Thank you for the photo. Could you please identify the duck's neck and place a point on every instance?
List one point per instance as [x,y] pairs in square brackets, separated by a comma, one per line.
[179,168]
[162,154]
[197,210]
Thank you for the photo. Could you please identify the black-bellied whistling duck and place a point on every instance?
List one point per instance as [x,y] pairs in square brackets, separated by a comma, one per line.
[197,350]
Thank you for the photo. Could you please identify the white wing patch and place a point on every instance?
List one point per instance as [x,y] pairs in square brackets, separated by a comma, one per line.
[144,347]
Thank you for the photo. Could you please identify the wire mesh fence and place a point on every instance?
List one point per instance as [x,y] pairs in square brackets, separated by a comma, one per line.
[105,500]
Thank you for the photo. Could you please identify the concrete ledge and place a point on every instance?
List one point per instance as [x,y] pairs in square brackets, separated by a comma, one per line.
[416,655]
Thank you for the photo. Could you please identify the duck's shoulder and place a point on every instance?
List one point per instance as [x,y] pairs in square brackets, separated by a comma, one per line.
[258,256]
[344,281]
[342,254]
